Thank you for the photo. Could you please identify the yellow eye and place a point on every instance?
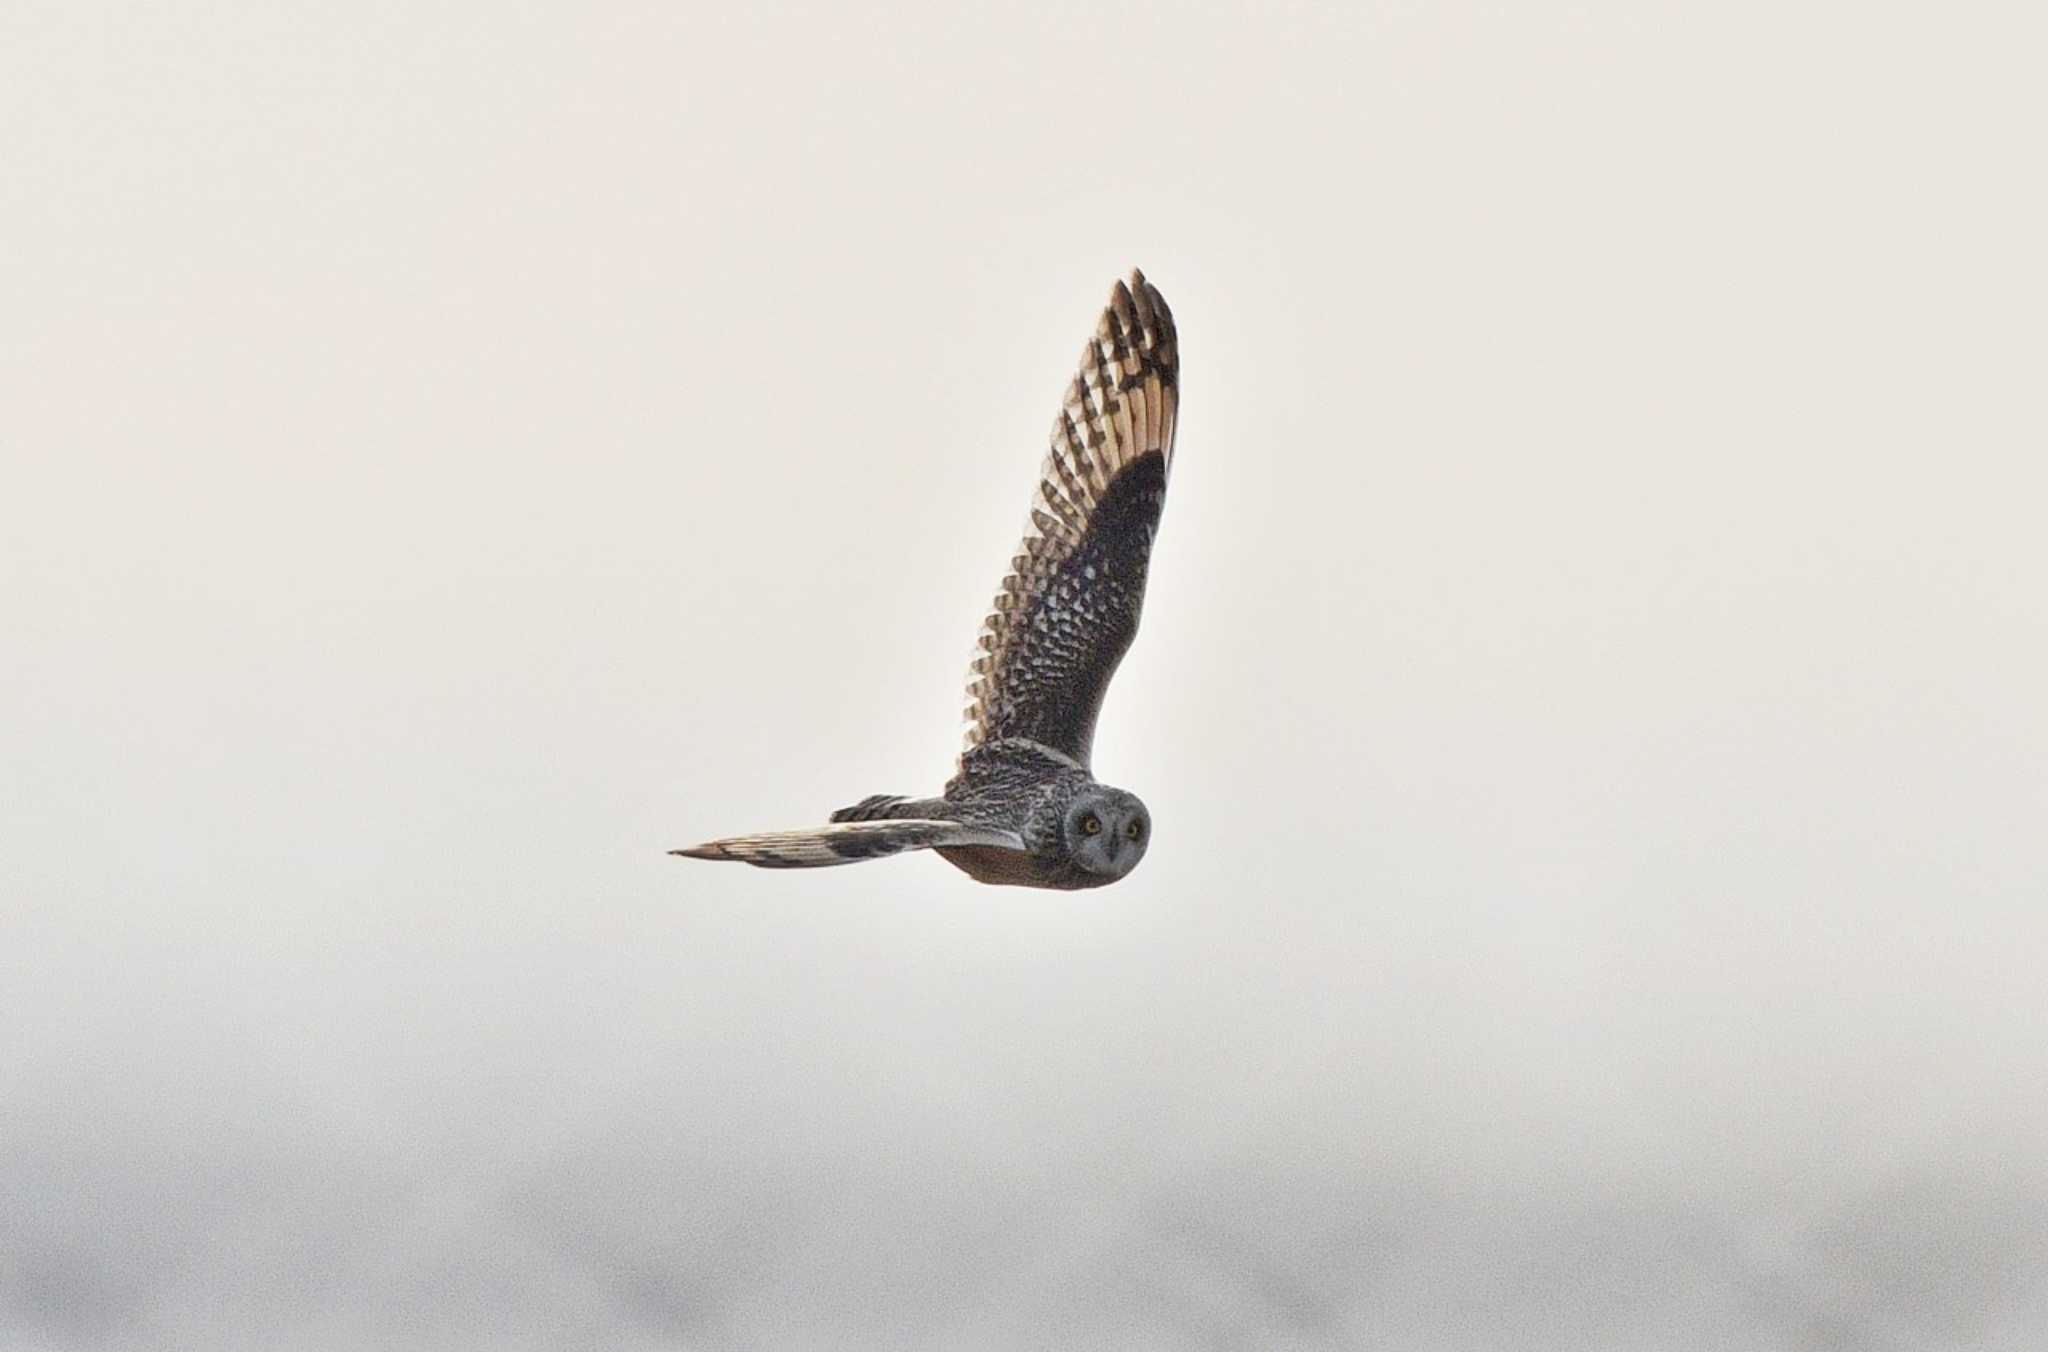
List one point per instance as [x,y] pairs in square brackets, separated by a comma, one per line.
[1091,825]
[1133,830]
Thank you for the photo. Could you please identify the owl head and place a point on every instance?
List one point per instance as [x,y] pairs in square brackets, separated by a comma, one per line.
[1105,831]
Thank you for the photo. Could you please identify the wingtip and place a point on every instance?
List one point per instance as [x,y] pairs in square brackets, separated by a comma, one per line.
[700,852]
[1133,295]
[1143,297]
[1128,293]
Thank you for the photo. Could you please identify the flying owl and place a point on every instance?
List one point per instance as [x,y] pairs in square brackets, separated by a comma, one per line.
[1024,807]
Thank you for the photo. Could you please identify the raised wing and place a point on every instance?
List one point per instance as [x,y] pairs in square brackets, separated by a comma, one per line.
[1068,610]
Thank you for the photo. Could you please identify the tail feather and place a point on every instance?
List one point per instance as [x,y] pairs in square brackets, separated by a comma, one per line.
[847,842]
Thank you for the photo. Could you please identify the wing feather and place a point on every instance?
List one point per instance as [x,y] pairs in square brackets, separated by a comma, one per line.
[847,843]
[1067,610]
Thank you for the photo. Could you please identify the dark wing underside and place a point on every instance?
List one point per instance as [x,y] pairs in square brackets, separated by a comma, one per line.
[1068,610]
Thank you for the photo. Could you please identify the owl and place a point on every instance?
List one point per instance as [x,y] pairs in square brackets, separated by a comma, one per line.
[1024,807]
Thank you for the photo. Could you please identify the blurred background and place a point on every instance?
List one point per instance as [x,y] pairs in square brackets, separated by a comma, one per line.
[1590,693]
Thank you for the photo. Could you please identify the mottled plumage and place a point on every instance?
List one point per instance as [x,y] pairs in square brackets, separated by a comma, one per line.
[1023,806]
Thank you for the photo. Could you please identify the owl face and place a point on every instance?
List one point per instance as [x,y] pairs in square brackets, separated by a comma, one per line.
[1106,831]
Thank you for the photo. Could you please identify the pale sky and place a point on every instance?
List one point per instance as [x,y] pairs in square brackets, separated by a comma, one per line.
[1590,693]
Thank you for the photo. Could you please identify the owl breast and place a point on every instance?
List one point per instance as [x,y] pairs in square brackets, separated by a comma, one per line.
[1014,868]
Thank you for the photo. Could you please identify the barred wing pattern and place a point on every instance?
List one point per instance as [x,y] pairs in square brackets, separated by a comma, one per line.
[1068,610]
[848,843]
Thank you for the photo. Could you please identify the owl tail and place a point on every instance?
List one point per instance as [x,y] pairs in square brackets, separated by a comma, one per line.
[847,842]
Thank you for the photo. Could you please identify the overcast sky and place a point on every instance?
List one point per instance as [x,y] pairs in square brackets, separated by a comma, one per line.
[1590,695]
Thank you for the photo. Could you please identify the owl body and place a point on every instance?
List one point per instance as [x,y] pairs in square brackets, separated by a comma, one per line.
[1041,796]
[1024,807]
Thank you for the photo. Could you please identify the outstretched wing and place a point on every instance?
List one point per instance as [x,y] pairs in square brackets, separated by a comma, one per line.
[847,843]
[1068,610]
